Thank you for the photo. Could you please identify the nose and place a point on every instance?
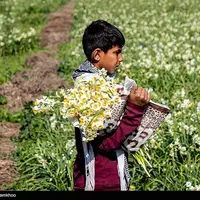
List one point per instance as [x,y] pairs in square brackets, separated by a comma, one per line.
[120,57]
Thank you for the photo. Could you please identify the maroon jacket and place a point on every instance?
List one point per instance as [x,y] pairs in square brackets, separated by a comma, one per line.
[106,173]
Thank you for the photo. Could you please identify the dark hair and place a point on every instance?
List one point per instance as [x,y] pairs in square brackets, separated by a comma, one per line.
[103,35]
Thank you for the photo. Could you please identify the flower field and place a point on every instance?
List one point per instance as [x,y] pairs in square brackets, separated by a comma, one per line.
[162,54]
[20,23]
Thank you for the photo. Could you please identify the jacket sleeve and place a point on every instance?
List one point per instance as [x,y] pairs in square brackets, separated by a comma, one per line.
[130,121]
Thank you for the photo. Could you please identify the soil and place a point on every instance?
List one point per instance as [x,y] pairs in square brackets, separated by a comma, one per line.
[27,85]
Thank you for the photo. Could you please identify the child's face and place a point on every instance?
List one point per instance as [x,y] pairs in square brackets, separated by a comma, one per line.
[111,60]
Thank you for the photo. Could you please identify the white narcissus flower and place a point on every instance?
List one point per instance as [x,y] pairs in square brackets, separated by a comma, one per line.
[107,114]
[198,107]
[86,105]
[188,184]
[96,106]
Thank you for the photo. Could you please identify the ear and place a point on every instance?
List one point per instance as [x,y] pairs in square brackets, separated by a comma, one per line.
[96,55]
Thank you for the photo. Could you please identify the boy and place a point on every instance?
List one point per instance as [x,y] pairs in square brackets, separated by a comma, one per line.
[97,165]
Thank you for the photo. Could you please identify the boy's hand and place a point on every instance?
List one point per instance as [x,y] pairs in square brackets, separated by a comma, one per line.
[139,96]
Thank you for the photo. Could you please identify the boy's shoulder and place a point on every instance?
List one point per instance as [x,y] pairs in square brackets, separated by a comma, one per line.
[85,68]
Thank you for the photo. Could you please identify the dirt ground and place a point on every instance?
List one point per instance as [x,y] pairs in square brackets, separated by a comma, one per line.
[27,85]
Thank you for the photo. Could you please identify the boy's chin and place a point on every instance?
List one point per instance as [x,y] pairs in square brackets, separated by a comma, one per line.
[112,71]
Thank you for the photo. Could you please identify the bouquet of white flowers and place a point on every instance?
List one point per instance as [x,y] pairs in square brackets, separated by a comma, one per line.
[88,105]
